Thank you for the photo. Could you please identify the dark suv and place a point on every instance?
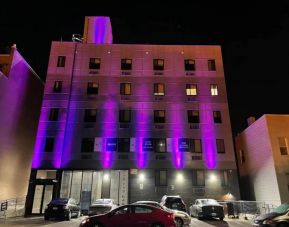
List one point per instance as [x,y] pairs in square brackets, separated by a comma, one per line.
[173,202]
[62,208]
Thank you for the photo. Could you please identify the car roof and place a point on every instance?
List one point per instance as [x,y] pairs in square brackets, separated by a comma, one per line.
[140,202]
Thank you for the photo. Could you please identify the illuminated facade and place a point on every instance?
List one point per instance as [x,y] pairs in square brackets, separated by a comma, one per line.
[113,112]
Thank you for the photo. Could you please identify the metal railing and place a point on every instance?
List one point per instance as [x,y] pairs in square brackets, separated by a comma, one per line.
[12,207]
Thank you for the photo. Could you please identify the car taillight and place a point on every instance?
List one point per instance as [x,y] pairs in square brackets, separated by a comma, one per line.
[172,216]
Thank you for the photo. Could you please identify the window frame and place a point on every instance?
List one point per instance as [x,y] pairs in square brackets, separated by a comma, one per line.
[57,87]
[158,88]
[158,182]
[124,87]
[122,114]
[156,64]
[91,89]
[214,90]
[125,65]
[49,144]
[188,66]
[191,89]
[193,119]
[53,114]
[61,60]
[220,143]
[88,117]
[211,65]
[217,117]
[93,64]
[159,119]
[85,144]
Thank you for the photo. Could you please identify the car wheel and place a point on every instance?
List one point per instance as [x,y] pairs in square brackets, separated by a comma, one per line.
[221,218]
[283,224]
[78,214]
[157,225]
[179,222]
[46,217]
[69,216]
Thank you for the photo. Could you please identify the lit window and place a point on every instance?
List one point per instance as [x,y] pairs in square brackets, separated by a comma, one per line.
[214,89]
[61,61]
[159,116]
[159,89]
[57,86]
[94,63]
[191,89]
[53,114]
[92,88]
[125,88]
[160,145]
[90,115]
[193,116]
[189,64]
[217,116]
[124,116]
[195,145]
[158,64]
[283,145]
[211,65]
[220,146]
[126,64]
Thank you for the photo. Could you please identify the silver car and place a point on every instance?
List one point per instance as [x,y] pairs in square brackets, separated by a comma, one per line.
[181,217]
[101,206]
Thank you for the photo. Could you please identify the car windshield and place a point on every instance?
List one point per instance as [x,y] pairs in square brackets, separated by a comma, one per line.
[59,201]
[282,208]
[209,202]
[152,204]
[175,203]
[102,201]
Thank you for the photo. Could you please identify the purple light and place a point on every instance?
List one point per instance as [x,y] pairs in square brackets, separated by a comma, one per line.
[99,30]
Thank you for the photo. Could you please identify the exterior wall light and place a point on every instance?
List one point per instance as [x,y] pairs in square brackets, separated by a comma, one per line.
[141,177]
[106,176]
[180,177]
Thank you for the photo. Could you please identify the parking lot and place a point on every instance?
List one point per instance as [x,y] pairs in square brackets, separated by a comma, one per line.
[39,221]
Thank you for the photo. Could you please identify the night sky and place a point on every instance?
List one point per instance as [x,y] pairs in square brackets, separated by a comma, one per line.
[254,36]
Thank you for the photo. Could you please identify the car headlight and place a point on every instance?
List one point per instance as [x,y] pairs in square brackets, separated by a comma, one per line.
[268,222]
[85,221]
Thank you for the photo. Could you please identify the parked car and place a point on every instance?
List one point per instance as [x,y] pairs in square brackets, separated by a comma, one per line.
[174,202]
[63,208]
[207,208]
[130,216]
[278,218]
[181,217]
[101,206]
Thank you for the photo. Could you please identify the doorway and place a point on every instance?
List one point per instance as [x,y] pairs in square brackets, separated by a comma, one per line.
[42,196]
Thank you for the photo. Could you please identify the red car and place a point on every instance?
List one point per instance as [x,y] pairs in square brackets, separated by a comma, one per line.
[133,215]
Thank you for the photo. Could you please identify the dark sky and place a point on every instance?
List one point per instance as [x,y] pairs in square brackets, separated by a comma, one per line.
[254,38]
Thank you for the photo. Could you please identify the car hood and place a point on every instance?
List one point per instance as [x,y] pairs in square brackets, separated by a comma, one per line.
[263,217]
[180,212]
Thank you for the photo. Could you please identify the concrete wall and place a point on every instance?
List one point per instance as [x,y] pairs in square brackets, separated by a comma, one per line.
[20,101]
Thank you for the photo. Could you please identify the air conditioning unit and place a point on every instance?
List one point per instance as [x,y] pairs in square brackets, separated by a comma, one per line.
[200,191]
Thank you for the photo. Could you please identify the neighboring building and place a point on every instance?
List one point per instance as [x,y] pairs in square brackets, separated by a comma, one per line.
[132,122]
[262,153]
[20,103]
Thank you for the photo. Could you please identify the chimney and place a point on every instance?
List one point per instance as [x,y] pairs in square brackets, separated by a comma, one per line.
[250,120]
[97,30]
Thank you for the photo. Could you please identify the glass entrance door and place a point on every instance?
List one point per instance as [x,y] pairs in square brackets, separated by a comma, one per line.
[42,196]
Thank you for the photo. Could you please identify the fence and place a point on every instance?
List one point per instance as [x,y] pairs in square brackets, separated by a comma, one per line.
[12,207]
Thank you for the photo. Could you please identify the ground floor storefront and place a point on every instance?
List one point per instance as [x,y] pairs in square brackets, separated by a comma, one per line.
[128,185]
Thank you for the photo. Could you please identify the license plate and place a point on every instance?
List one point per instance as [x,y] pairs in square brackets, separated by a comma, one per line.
[214,214]
[55,208]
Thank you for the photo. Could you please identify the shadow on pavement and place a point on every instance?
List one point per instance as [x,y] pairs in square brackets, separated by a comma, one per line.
[215,222]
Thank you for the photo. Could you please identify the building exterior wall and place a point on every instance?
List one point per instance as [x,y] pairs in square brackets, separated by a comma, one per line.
[20,103]
[70,128]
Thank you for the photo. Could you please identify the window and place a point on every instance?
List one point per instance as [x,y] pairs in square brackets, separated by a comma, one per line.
[224,178]
[160,145]
[123,144]
[142,210]
[92,88]
[211,65]
[94,63]
[220,146]
[49,145]
[191,89]
[53,114]
[283,145]
[189,64]
[124,116]
[159,116]
[242,156]
[90,115]
[159,64]
[195,145]
[125,88]
[57,86]
[61,61]
[159,89]
[126,64]
[87,145]
[161,178]
[214,89]
[217,116]
[193,116]
[198,178]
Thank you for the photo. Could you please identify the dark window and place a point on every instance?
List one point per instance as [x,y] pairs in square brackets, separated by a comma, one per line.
[61,61]
[159,89]
[224,178]
[189,64]
[220,146]
[125,88]
[94,63]
[193,116]
[49,145]
[283,145]
[161,178]
[126,64]
[217,116]
[211,65]
[124,116]
[57,86]
[160,145]
[159,64]
[90,115]
[53,114]
[123,144]
[198,177]
[92,88]
[159,116]
[195,145]
[191,89]
[242,156]
[87,145]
